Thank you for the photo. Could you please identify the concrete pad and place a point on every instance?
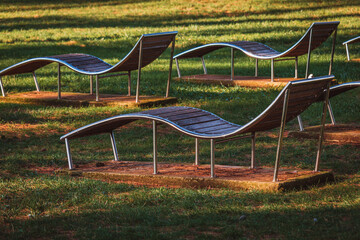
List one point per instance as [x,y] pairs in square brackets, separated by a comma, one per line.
[84,99]
[192,176]
[337,134]
[243,81]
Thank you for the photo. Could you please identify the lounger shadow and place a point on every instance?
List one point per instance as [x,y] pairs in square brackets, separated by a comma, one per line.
[147,49]
[317,33]
[295,98]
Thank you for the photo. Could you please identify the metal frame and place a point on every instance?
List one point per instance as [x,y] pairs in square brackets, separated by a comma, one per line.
[2,88]
[155,159]
[232,64]
[36,82]
[196,151]
[139,71]
[170,67]
[113,145]
[91,85]
[59,81]
[353,40]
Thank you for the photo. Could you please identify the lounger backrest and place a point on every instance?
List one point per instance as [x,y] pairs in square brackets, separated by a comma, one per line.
[153,45]
[302,94]
[320,32]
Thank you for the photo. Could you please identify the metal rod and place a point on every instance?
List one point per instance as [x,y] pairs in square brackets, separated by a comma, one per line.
[36,82]
[2,88]
[113,75]
[347,52]
[332,51]
[91,85]
[252,150]
[139,71]
[97,87]
[203,64]
[113,145]
[212,158]
[296,67]
[155,147]
[272,70]
[281,135]
[178,68]
[323,119]
[331,113]
[170,68]
[232,64]
[129,83]
[309,54]
[68,154]
[301,124]
[196,151]
[59,81]
[256,67]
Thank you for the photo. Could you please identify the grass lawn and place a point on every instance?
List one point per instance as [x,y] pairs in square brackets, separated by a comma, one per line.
[39,206]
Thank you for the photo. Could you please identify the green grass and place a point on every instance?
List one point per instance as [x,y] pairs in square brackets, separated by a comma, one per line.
[37,206]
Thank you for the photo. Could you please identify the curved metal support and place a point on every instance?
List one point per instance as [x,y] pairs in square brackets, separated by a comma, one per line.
[139,71]
[113,145]
[296,67]
[253,165]
[212,158]
[36,82]
[281,135]
[155,147]
[2,88]
[129,83]
[321,137]
[332,51]
[68,154]
[301,124]
[331,113]
[196,151]
[232,64]
[91,85]
[178,68]
[272,70]
[347,52]
[59,81]
[97,87]
[203,64]
[170,68]
[309,54]
[256,67]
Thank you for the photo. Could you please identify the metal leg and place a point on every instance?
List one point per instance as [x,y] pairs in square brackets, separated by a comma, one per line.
[212,158]
[203,64]
[113,144]
[232,64]
[170,68]
[281,135]
[332,51]
[331,113]
[256,67]
[91,85]
[347,52]
[309,53]
[252,150]
[196,151]
[155,147]
[178,68]
[2,88]
[59,82]
[301,124]
[97,87]
[296,67]
[129,83]
[139,72]
[68,153]
[323,119]
[36,82]
[272,70]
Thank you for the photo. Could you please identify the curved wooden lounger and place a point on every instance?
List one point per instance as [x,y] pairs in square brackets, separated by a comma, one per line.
[334,91]
[351,41]
[147,49]
[317,33]
[292,100]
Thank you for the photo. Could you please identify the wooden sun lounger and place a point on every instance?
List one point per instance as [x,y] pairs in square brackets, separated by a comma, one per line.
[351,41]
[199,124]
[334,91]
[317,33]
[148,48]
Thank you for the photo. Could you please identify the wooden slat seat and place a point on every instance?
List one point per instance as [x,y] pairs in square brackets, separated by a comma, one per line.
[148,48]
[317,33]
[295,98]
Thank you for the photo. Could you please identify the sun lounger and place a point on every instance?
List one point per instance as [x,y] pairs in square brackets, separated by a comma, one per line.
[351,41]
[334,91]
[199,124]
[148,48]
[317,33]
